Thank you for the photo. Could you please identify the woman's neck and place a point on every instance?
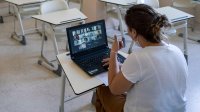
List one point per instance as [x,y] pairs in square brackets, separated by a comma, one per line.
[154,44]
[145,43]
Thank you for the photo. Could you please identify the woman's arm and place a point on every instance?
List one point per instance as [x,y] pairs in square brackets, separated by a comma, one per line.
[118,84]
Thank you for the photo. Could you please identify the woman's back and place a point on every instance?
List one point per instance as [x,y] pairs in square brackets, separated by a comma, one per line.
[159,74]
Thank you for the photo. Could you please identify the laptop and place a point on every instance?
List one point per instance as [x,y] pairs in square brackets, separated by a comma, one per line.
[88,46]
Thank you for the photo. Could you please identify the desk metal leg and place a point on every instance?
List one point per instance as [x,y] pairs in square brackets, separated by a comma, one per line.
[185,37]
[1,19]
[121,24]
[22,40]
[44,61]
[59,69]
[61,108]
[185,41]
[9,11]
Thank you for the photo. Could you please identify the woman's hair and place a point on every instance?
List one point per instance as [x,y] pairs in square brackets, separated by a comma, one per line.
[146,21]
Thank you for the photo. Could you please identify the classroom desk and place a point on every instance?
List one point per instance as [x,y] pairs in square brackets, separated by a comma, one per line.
[120,4]
[79,80]
[57,19]
[19,5]
[176,16]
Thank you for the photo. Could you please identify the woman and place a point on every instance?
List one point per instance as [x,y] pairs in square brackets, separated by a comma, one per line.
[152,79]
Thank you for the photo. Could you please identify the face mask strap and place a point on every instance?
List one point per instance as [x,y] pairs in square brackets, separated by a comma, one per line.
[165,39]
[136,42]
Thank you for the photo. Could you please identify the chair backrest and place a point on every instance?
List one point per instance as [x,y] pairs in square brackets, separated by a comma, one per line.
[152,3]
[164,3]
[52,6]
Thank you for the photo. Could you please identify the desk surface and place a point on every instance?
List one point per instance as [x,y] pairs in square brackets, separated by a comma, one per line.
[121,2]
[174,15]
[24,2]
[79,80]
[61,17]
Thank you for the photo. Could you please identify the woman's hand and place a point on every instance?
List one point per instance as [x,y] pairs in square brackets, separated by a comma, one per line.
[117,45]
[106,61]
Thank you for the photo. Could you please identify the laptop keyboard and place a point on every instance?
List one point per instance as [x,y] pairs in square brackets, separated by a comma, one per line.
[93,62]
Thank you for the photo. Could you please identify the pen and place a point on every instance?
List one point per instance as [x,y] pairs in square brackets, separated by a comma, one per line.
[68,54]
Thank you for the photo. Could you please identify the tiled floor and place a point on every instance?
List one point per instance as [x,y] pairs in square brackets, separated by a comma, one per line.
[26,86]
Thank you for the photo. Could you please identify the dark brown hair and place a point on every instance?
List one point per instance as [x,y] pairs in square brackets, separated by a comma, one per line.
[146,21]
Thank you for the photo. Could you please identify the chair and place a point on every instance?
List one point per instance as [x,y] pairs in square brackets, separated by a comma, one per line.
[52,6]
[152,3]
[163,3]
[48,7]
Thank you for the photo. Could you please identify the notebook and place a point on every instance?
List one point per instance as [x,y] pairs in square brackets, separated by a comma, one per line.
[88,46]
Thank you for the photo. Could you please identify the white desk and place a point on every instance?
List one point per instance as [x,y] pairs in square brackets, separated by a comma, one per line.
[24,2]
[18,9]
[61,17]
[56,19]
[120,4]
[177,16]
[79,80]
[174,15]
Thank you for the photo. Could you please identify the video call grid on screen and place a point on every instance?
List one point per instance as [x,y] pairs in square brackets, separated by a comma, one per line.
[88,37]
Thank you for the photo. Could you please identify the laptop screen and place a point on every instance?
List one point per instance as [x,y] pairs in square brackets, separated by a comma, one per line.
[87,37]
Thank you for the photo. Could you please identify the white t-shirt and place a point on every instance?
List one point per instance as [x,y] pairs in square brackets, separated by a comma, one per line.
[159,76]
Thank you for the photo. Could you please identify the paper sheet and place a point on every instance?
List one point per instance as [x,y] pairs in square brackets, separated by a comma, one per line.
[103,77]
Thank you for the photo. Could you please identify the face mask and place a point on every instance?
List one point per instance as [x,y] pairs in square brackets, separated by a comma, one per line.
[165,39]
[136,43]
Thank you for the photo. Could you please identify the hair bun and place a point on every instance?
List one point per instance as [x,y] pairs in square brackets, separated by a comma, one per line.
[161,21]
